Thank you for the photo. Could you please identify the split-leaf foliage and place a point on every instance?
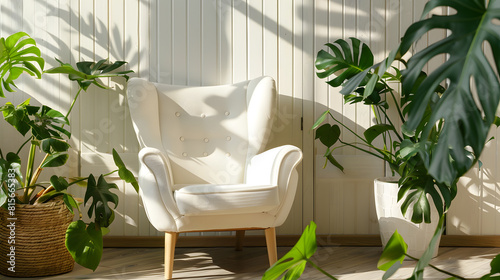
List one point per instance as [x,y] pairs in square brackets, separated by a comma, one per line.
[47,133]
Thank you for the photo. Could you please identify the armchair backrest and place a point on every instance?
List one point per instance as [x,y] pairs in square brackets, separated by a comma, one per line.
[208,133]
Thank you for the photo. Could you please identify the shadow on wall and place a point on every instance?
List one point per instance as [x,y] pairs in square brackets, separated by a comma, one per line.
[479,191]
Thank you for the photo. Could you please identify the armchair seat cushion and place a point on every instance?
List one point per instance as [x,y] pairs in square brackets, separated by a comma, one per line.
[209,199]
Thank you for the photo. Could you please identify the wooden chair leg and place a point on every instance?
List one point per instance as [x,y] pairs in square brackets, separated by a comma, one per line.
[170,240]
[240,235]
[271,245]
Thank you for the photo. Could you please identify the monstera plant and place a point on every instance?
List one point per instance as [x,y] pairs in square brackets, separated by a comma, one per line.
[446,128]
[352,66]
[47,133]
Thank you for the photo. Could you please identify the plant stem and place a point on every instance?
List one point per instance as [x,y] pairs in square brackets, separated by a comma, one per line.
[321,270]
[38,170]
[26,142]
[438,269]
[363,150]
[392,124]
[86,178]
[394,98]
[73,103]
[29,173]
[344,126]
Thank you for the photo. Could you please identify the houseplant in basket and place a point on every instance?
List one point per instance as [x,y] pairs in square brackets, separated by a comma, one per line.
[38,234]
[444,130]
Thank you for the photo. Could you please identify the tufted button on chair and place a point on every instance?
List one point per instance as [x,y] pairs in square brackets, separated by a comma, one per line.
[202,161]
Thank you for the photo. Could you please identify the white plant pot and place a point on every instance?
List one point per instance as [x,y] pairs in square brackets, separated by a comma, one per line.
[390,219]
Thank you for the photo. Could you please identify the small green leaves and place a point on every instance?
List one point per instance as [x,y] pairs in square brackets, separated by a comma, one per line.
[43,122]
[84,243]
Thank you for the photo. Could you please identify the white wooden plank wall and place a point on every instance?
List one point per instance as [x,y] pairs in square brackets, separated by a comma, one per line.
[210,42]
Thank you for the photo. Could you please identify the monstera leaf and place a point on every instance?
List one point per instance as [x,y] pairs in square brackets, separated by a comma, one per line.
[101,196]
[348,62]
[18,54]
[467,113]
[88,72]
[84,243]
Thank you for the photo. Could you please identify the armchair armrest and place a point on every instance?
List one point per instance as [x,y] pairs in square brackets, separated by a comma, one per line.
[155,180]
[277,167]
[267,167]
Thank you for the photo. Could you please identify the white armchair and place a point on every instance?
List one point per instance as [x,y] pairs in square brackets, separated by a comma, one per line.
[202,164]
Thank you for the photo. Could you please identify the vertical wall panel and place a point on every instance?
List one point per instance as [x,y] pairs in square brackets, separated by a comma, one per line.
[239,40]
[193,39]
[211,38]
[305,61]
[255,38]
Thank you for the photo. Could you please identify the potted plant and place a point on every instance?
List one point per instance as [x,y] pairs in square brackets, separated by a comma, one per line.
[447,128]
[39,236]
[353,68]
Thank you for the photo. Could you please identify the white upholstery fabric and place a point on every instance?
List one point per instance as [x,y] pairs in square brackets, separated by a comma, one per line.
[203,164]
[226,199]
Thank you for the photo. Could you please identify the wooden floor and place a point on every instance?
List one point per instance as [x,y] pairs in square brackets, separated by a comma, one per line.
[226,263]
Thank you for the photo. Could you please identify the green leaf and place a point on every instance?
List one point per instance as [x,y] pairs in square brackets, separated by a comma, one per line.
[59,183]
[328,134]
[84,243]
[370,86]
[394,251]
[16,54]
[374,131]
[296,257]
[101,197]
[333,161]
[344,64]
[320,120]
[495,269]
[466,120]
[295,272]
[48,196]
[117,159]
[55,160]
[123,172]
[495,265]
[408,149]
[52,145]
[88,72]
[389,272]
[70,202]
[496,122]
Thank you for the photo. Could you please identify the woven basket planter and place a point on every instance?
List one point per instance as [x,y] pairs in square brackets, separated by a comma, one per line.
[39,240]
